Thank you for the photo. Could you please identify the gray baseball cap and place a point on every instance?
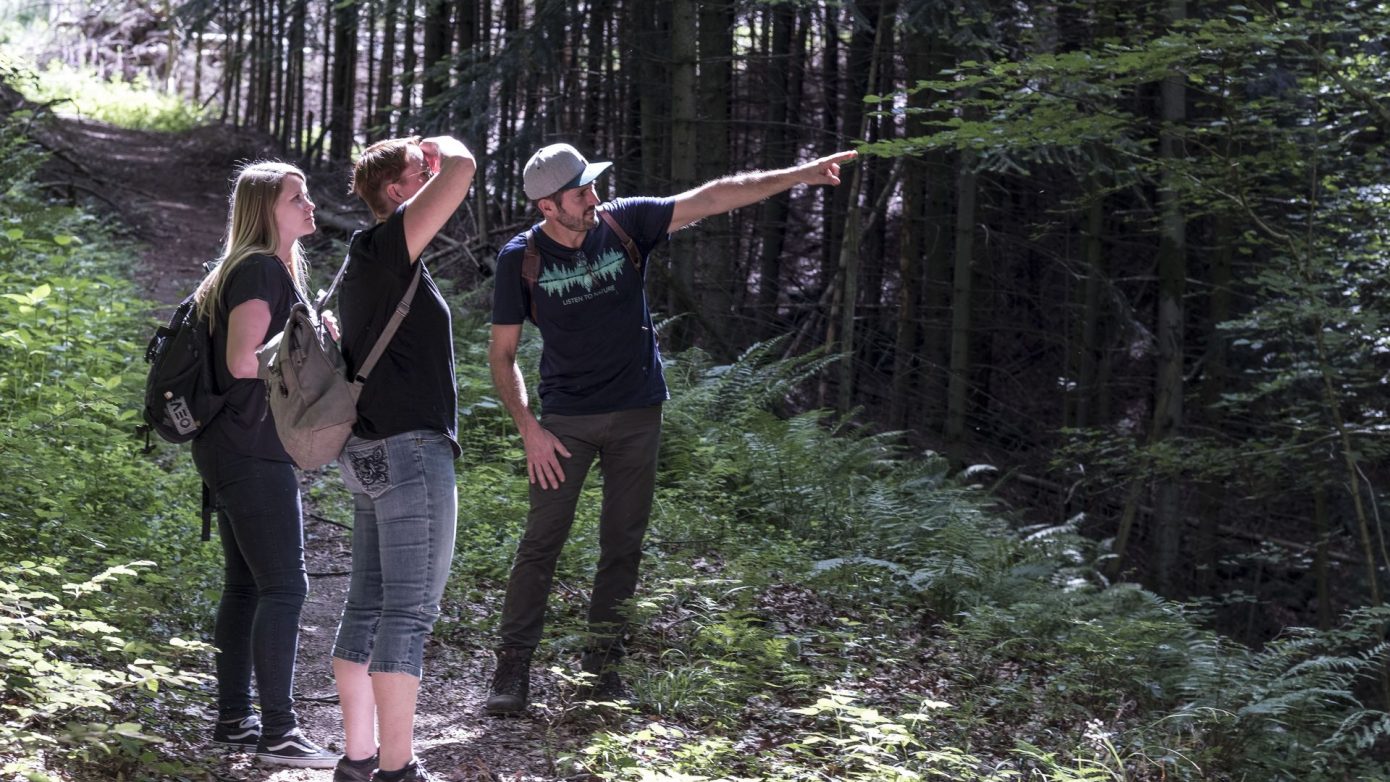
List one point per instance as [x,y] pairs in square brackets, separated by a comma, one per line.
[558,167]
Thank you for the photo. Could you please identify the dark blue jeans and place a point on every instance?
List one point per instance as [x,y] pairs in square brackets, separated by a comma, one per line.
[264,583]
[626,445]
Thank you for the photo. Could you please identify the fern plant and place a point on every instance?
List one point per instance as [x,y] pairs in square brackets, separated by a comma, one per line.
[1294,709]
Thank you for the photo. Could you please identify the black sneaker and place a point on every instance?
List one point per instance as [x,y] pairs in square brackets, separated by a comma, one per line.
[413,772]
[354,770]
[293,749]
[511,683]
[238,734]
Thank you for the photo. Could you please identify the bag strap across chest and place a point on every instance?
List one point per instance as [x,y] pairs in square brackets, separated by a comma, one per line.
[531,258]
[392,325]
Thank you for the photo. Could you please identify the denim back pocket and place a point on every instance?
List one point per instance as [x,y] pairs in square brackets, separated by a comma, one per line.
[366,468]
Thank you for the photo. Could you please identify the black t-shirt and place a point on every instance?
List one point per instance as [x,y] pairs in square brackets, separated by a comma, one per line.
[245,425]
[599,352]
[412,387]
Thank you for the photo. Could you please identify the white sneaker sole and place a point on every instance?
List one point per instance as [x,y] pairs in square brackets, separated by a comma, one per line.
[305,761]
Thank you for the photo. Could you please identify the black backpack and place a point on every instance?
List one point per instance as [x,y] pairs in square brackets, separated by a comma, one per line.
[181,396]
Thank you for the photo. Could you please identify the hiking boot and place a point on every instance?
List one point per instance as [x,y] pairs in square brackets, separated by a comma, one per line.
[609,688]
[354,770]
[606,684]
[413,772]
[511,683]
[293,749]
[238,734]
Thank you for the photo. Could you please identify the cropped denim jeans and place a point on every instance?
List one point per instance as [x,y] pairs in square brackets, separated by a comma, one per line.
[261,528]
[626,444]
[406,502]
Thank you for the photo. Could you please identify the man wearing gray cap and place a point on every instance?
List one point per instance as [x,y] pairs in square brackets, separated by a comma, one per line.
[578,276]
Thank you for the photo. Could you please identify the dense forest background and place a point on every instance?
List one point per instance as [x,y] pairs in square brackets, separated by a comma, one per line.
[1124,261]
[1130,253]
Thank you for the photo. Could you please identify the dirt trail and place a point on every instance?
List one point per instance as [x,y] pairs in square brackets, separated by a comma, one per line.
[169,192]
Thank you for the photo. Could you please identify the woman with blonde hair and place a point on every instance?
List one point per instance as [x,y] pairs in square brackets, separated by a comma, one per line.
[247,299]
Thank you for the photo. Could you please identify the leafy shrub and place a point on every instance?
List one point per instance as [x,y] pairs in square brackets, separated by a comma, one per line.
[71,671]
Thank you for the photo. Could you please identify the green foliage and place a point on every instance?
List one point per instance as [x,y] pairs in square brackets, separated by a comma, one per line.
[72,354]
[1292,710]
[83,657]
[71,671]
[126,104]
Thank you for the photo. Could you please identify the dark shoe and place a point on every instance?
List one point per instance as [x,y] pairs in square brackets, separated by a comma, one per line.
[413,772]
[606,685]
[354,770]
[239,734]
[293,749]
[511,683]
[609,688]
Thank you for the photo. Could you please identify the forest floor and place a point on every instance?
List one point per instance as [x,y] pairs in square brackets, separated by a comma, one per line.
[169,193]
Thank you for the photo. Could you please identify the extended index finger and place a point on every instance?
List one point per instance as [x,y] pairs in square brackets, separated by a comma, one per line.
[840,157]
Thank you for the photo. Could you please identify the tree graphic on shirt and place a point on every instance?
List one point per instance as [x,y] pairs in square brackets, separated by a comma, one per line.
[583,273]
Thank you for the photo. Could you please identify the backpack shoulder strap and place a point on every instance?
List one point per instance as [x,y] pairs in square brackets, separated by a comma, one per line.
[531,270]
[628,245]
[321,300]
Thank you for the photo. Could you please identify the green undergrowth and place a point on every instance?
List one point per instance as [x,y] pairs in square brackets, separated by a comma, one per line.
[103,574]
[128,104]
[818,604]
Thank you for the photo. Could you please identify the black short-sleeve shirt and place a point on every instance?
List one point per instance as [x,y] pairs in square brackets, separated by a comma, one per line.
[599,351]
[245,425]
[412,387]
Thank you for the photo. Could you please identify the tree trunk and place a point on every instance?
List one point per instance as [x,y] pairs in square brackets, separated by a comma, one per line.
[1172,278]
[684,156]
[380,125]
[778,146]
[913,251]
[834,127]
[1087,346]
[878,172]
[198,67]
[437,34]
[720,276]
[405,119]
[852,252]
[1215,381]
[1322,531]
[325,86]
[962,294]
[466,47]
[342,125]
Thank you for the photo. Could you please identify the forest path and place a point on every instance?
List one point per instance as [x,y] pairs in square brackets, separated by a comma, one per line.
[168,191]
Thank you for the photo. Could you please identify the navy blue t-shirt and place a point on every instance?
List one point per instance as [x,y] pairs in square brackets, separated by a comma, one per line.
[599,352]
[245,425]
[412,386]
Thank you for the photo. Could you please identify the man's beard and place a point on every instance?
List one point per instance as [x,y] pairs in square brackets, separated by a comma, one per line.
[578,223]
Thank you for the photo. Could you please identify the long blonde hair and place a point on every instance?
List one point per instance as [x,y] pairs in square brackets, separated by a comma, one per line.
[251,230]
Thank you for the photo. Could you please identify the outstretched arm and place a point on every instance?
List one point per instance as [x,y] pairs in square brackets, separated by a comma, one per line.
[731,192]
[542,465]
[431,208]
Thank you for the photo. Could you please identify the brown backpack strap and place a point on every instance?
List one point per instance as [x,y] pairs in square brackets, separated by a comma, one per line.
[628,245]
[531,270]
